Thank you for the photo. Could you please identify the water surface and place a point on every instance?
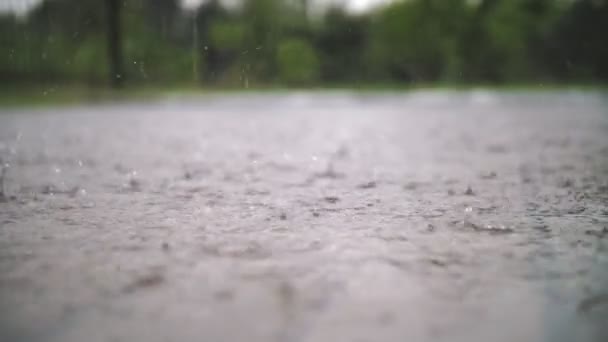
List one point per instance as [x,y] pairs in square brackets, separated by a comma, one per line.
[425,216]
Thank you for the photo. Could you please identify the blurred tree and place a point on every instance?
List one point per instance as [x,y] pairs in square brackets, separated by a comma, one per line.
[206,17]
[579,44]
[298,62]
[227,37]
[264,41]
[506,40]
[163,15]
[417,40]
[264,24]
[342,42]
[114,36]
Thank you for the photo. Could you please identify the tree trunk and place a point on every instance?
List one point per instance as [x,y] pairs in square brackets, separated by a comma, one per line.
[114,32]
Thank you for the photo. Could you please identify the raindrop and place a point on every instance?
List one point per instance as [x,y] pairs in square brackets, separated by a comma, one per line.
[331,199]
[134,184]
[206,48]
[368,185]
[3,172]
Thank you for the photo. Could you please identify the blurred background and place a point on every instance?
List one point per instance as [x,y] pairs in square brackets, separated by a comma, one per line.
[302,43]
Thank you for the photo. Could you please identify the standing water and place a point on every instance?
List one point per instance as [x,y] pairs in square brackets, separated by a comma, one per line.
[426,216]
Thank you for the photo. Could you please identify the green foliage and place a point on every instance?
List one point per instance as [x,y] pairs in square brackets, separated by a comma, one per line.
[417,40]
[227,36]
[88,60]
[342,43]
[264,41]
[298,62]
[579,39]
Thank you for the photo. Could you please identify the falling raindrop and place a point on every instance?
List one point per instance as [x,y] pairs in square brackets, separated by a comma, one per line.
[3,171]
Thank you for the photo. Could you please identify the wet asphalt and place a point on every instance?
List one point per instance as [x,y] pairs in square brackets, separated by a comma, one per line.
[302,216]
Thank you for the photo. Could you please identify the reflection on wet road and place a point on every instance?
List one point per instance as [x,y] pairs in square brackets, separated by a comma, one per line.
[427,216]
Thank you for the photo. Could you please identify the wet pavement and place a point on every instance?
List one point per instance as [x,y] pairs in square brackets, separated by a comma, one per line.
[423,216]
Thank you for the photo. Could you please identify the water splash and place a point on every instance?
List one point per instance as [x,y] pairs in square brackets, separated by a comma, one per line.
[3,172]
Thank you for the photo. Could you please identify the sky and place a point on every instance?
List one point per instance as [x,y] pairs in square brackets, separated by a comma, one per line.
[21,7]
[18,7]
[351,5]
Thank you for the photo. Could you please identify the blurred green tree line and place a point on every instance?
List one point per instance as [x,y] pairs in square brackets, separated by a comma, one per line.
[279,42]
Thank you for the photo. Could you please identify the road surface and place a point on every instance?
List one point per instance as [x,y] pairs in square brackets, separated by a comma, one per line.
[422,216]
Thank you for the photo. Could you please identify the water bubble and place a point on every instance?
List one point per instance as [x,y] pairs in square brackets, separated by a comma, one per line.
[468,209]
